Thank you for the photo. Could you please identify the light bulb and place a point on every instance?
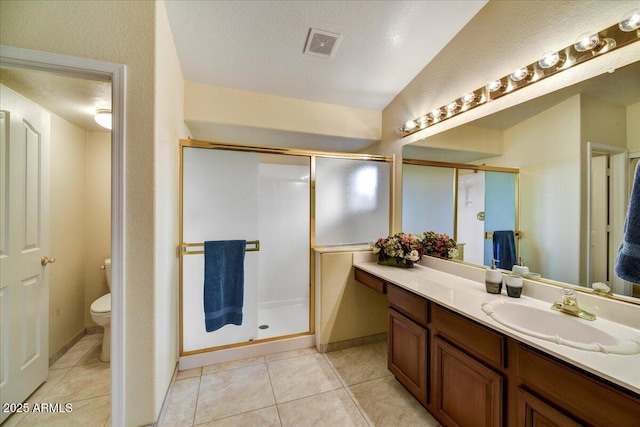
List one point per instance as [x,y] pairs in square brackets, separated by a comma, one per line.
[519,74]
[549,59]
[409,125]
[422,121]
[103,118]
[494,85]
[452,107]
[436,113]
[630,21]
[468,98]
[586,42]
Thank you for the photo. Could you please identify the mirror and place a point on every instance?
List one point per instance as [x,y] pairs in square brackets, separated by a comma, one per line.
[576,150]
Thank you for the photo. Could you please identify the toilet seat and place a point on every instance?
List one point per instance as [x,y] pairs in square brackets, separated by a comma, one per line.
[102,304]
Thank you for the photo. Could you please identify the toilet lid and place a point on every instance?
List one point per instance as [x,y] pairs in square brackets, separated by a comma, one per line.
[102,304]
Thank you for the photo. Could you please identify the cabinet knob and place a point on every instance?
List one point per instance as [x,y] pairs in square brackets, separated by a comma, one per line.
[46,260]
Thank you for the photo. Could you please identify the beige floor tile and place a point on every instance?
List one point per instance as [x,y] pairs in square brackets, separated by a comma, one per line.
[182,404]
[232,392]
[82,382]
[88,412]
[75,354]
[189,373]
[265,417]
[93,355]
[301,376]
[384,402]
[358,364]
[381,347]
[290,354]
[333,408]
[219,367]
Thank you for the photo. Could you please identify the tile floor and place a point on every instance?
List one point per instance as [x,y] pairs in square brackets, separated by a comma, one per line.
[78,378]
[298,388]
[344,388]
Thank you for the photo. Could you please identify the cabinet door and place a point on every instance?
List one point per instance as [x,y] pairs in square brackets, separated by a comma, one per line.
[532,412]
[466,393]
[408,354]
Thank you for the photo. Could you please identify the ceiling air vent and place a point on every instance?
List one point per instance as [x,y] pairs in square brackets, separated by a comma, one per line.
[321,43]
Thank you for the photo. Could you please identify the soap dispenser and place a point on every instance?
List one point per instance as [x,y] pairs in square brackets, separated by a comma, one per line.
[520,268]
[493,279]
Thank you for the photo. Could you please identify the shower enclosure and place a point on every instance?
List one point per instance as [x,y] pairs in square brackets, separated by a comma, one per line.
[283,202]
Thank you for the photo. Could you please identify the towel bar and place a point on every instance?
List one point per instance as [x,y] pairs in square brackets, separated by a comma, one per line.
[184,247]
[489,234]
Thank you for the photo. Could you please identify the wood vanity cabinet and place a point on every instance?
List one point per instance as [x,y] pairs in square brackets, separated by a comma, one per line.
[467,374]
[373,282]
[466,370]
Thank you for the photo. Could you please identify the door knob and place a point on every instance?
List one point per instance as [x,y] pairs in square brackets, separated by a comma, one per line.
[46,260]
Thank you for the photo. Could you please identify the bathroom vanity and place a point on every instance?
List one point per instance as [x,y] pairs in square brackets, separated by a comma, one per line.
[467,369]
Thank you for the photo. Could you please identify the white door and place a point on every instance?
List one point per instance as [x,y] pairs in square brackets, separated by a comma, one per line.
[599,219]
[24,287]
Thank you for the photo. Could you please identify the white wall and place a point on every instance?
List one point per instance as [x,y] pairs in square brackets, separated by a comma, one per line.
[633,130]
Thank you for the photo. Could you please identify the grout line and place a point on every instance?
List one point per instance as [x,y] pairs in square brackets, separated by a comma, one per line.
[195,408]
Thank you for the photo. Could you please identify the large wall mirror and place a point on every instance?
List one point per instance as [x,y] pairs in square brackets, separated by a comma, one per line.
[576,150]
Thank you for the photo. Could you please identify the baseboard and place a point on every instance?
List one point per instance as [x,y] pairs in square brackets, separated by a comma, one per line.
[356,342]
[94,330]
[73,341]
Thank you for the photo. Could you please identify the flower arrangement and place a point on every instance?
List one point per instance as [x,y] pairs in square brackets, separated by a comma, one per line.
[404,249]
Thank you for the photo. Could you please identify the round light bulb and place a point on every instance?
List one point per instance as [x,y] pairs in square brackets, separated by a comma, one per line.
[452,106]
[630,21]
[549,59]
[436,113]
[422,121]
[494,85]
[468,98]
[519,74]
[586,42]
[409,125]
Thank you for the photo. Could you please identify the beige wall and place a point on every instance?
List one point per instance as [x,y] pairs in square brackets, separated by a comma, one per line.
[633,129]
[602,122]
[67,233]
[546,149]
[169,128]
[206,103]
[124,33]
[98,218]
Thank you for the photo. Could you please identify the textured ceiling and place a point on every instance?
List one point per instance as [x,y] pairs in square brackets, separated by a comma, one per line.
[75,100]
[258,45]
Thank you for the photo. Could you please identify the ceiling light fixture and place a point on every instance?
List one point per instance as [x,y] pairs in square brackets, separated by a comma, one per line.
[596,43]
[103,118]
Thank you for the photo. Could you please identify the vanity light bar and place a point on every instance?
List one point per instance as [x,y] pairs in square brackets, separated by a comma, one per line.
[587,46]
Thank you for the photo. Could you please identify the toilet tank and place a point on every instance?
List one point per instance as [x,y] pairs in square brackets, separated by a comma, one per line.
[107,270]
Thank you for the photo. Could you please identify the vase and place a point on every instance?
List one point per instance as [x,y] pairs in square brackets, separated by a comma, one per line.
[396,262]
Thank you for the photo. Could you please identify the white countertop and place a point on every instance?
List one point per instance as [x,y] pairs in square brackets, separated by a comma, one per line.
[466,296]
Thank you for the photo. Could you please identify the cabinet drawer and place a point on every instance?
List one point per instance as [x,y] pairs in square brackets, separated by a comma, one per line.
[375,283]
[479,341]
[410,304]
[578,394]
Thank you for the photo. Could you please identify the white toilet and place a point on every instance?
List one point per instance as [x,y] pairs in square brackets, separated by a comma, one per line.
[101,314]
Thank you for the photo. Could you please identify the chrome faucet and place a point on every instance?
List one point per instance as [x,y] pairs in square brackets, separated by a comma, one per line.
[569,305]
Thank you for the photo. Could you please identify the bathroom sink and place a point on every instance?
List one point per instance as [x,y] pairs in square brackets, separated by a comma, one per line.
[557,327]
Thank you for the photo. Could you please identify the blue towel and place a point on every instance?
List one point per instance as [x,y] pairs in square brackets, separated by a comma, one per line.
[223,283]
[504,249]
[628,261]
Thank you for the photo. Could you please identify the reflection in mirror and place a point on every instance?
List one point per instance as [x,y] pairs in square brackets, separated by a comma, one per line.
[556,142]
[467,202]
